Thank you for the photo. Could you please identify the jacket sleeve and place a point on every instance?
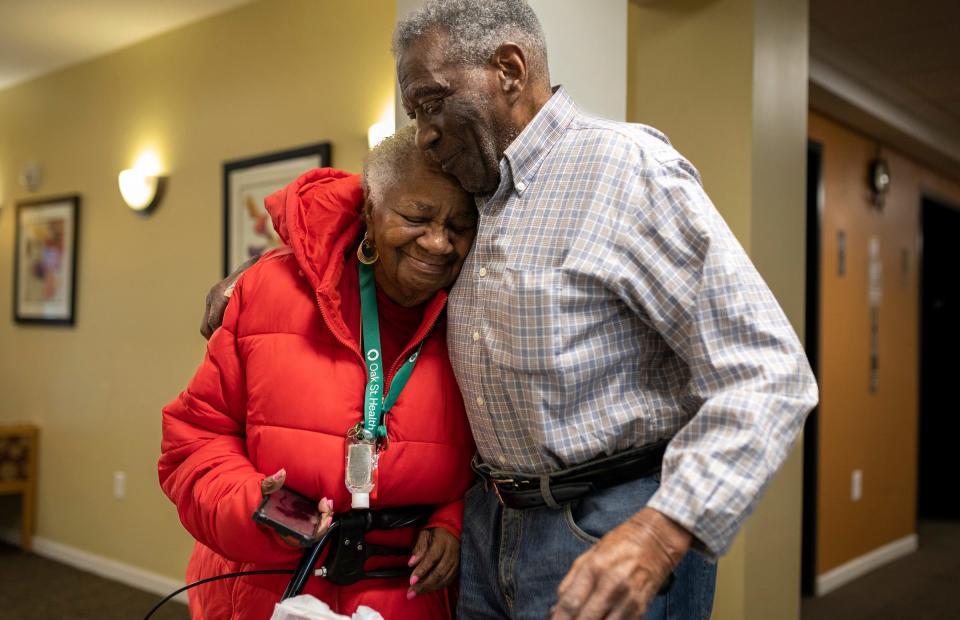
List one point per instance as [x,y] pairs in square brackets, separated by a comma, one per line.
[204,467]
[449,517]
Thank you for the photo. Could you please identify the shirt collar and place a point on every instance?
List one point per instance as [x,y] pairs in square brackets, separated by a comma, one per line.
[526,152]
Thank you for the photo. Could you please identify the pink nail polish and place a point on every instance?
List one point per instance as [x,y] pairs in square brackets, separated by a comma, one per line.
[413,580]
[412,560]
[410,595]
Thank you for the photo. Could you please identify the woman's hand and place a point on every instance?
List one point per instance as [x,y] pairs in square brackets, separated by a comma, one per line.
[436,557]
[272,484]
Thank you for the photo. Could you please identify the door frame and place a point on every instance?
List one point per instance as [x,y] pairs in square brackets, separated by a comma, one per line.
[811,433]
[930,195]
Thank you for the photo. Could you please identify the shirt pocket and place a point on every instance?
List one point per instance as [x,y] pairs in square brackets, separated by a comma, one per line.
[550,321]
[524,334]
[549,338]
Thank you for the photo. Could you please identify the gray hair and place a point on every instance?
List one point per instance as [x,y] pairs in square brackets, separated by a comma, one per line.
[389,162]
[475,29]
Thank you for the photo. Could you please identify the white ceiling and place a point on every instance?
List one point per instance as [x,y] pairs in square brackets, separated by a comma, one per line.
[892,70]
[915,46]
[39,36]
[888,67]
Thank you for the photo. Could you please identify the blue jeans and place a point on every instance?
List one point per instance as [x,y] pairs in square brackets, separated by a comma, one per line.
[513,560]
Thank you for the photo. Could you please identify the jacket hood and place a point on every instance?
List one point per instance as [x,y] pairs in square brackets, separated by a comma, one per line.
[319,217]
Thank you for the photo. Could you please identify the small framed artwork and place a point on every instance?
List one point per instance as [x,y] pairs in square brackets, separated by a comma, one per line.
[248,231]
[45,261]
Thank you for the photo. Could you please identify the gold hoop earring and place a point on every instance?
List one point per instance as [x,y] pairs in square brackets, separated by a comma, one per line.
[367,252]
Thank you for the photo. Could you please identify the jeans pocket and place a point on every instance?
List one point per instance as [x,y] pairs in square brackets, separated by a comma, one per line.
[575,529]
[592,516]
[473,489]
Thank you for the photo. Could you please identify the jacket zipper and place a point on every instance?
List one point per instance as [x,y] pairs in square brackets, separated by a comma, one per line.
[339,338]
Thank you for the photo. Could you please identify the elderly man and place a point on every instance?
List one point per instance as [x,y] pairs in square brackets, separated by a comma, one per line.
[631,383]
[604,311]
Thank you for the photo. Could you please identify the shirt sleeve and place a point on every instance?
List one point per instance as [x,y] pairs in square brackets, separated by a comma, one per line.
[204,467]
[750,386]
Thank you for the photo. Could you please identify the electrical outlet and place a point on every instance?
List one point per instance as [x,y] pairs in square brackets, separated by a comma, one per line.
[856,485]
[119,485]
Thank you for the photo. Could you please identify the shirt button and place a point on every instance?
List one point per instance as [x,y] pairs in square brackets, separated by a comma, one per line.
[521,186]
[483,272]
[480,400]
[476,336]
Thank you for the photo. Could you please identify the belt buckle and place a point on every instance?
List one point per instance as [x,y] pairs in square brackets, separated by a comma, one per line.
[496,488]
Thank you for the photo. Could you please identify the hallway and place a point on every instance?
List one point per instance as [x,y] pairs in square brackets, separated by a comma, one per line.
[924,585]
[36,588]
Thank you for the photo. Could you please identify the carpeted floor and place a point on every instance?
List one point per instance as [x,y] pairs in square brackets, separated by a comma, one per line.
[924,585]
[34,588]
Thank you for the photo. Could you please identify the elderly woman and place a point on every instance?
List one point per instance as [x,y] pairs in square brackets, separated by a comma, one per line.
[284,380]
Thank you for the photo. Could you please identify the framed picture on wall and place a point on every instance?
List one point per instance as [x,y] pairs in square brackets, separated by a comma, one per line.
[45,260]
[248,231]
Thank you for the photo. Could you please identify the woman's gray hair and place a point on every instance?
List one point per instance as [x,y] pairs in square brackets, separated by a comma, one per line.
[389,162]
[475,29]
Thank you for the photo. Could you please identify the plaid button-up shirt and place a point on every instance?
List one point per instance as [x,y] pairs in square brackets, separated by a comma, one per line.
[605,305]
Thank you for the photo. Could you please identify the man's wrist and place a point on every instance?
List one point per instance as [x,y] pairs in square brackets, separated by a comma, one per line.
[673,539]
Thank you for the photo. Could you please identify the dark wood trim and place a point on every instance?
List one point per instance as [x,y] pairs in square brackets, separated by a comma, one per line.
[811,438]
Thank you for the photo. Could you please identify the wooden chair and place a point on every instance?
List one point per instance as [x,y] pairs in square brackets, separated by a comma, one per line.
[18,473]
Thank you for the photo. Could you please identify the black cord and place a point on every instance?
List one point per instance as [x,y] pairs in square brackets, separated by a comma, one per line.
[218,577]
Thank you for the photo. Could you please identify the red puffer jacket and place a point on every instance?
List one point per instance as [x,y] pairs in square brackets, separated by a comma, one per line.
[281,383]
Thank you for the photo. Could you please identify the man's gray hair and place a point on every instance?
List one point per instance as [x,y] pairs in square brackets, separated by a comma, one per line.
[475,29]
[389,162]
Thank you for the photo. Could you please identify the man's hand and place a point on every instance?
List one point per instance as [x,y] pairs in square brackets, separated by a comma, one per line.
[217,299]
[622,573]
[436,557]
[272,484]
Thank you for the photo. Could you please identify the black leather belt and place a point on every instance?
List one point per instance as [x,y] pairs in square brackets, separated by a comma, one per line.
[524,491]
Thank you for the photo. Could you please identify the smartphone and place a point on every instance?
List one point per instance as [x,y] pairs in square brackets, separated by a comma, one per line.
[290,514]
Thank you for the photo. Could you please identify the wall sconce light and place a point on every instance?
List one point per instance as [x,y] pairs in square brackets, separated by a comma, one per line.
[377,133]
[142,186]
[383,128]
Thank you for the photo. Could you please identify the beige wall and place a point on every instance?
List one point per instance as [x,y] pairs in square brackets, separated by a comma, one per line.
[873,432]
[264,77]
[726,80]
[267,76]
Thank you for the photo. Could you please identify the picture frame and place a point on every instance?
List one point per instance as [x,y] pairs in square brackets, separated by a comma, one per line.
[45,260]
[247,230]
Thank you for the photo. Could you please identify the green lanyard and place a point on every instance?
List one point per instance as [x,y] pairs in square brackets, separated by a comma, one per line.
[374,404]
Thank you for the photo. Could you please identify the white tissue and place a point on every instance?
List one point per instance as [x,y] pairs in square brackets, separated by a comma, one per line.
[306,607]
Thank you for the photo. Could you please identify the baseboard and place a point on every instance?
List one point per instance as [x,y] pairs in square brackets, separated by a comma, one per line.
[857,567]
[99,565]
